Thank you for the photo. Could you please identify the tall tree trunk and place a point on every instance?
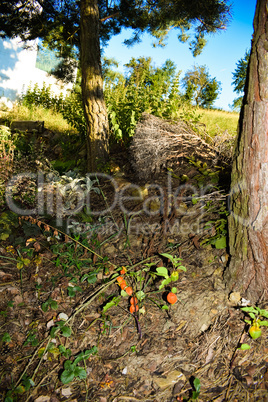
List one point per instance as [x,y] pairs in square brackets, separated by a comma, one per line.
[92,85]
[248,222]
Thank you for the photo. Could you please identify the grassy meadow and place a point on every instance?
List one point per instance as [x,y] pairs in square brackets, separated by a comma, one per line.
[218,121]
[215,121]
[54,121]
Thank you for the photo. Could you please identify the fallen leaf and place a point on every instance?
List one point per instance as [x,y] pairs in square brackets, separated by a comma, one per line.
[42,398]
[66,391]
[195,240]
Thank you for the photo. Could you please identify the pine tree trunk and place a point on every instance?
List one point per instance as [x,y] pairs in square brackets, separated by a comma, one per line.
[248,221]
[92,85]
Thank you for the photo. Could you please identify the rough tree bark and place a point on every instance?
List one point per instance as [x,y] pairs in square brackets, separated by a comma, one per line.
[92,85]
[248,221]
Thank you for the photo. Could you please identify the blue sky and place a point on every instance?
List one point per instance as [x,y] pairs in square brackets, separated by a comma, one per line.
[220,55]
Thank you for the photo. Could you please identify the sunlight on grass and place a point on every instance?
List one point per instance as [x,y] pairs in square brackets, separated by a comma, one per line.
[217,121]
[54,121]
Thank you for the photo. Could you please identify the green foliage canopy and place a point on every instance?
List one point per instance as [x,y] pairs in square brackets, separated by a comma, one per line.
[57,22]
[200,88]
[239,78]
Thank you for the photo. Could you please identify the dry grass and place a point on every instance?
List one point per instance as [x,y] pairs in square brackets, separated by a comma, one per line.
[53,121]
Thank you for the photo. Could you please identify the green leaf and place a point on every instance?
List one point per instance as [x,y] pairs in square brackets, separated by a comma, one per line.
[244,346]
[28,383]
[53,331]
[113,302]
[168,256]
[6,337]
[65,352]
[93,350]
[91,278]
[80,372]
[197,385]
[67,376]
[4,236]
[165,307]
[20,265]
[140,295]
[164,283]
[53,305]
[79,358]
[8,398]
[162,271]
[220,243]
[44,306]
[263,313]
[66,331]
[263,323]
[68,365]
[73,289]
[249,310]
[19,389]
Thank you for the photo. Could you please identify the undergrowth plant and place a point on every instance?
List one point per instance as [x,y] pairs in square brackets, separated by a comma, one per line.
[255,322]
[7,149]
[141,283]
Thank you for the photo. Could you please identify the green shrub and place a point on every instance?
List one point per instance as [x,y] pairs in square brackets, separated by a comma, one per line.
[42,97]
[144,88]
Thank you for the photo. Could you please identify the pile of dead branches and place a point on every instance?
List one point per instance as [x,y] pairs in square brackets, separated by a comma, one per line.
[158,142]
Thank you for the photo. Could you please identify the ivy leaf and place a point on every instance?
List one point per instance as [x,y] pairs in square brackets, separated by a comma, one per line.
[66,331]
[80,372]
[67,376]
[68,365]
[73,289]
[44,306]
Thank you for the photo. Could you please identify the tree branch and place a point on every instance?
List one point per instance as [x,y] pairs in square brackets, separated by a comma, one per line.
[109,16]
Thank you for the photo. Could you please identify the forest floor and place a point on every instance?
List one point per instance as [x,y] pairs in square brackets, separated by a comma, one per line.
[66,330]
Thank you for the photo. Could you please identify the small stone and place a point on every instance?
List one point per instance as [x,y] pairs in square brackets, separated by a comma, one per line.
[204,327]
[235,298]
